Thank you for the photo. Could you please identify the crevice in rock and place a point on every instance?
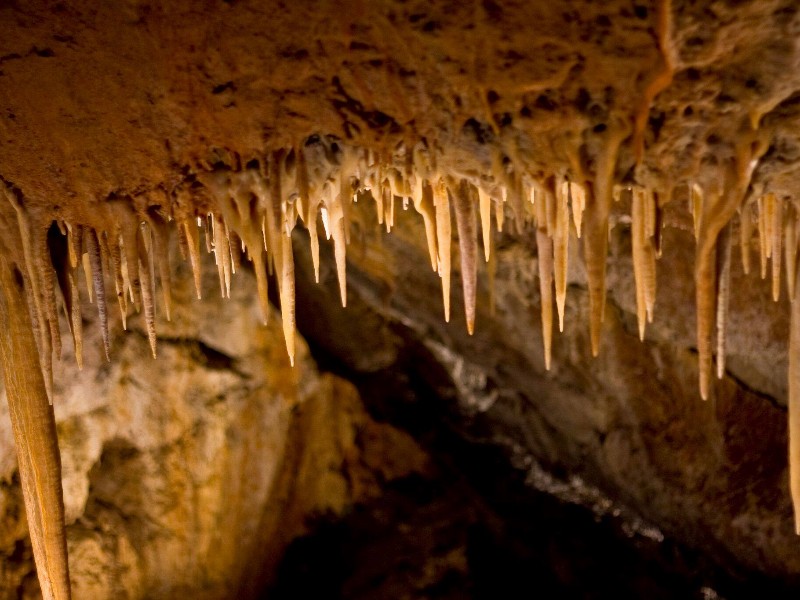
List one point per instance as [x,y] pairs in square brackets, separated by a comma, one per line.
[205,354]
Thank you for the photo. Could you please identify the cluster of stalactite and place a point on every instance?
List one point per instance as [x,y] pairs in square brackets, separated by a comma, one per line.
[248,212]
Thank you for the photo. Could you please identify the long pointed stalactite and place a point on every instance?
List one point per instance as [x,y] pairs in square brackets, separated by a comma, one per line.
[34,426]
[718,208]
[544,248]
[723,295]
[468,249]
[443,241]
[561,249]
[595,248]
[644,255]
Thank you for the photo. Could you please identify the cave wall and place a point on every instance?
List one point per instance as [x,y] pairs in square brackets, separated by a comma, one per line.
[628,423]
[190,474]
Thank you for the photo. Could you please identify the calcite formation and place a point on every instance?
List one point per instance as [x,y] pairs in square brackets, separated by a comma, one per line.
[121,130]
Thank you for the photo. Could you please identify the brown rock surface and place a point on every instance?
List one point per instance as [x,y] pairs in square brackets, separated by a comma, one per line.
[101,100]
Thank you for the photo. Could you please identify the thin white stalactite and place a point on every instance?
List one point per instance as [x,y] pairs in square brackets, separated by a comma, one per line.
[561,249]
[723,294]
[443,240]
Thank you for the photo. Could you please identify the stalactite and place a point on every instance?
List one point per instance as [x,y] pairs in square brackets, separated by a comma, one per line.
[499,214]
[561,249]
[208,231]
[145,259]
[128,226]
[423,203]
[544,248]
[40,324]
[651,227]
[331,178]
[595,233]
[34,426]
[98,284]
[183,243]
[347,191]
[278,238]
[310,205]
[486,221]
[105,254]
[246,219]
[644,262]
[577,201]
[314,237]
[87,276]
[638,241]
[736,177]
[76,319]
[765,206]
[74,244]
[338,233]
[62,260]
[119,279]
[723,294]
[499,173]
[466,224]
[389,202]
[287,294]
[219,250]
[289,206]
[193,245]
[287,286]
[706,291]
[443,233]
[378,194]
[44,268]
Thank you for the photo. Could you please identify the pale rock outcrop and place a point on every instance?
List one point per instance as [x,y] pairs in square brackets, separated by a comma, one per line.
[187,475]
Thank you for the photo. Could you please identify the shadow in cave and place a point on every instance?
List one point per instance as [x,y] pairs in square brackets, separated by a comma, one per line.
[473,529]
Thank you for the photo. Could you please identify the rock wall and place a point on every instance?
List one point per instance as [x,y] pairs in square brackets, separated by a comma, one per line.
[187,476]
[628,423]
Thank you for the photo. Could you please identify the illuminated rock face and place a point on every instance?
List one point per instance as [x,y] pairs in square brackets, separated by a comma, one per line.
[191,474]
[608,134]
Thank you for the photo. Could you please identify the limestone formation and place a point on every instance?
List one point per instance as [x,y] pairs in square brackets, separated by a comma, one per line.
[252,120]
